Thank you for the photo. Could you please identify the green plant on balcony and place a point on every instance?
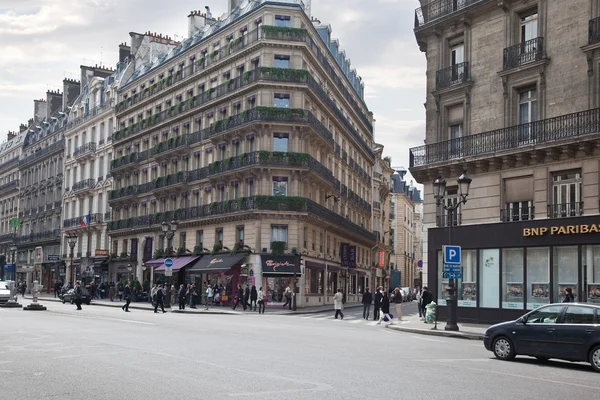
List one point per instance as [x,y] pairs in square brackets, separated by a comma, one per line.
[200,63]
[217,247]
[130,129]
[240,203]
[387,160]
[129,101]
[214,53]
[132,157]
[230,161]
[169,80]
[235,42]
[226,122]
[211,207]
[197,250]
[227,205]
[180,251]
[276,112]
[277,248]
[178,75]
[246,76]
[285,73]
[159,253]
[229,83]
[190,101]
[113,256]
[154,118]
[120,105]
[271,30]
[235,249]
[282,203]
[158,181]
[180,176]
[212,167]
[215,125]
[111,225]
[180,107]
[123,255]
[168,179]
[171,143]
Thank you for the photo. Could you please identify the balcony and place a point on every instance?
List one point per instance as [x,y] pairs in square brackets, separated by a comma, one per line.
[392,216]
[358,201]
[445,220]
[123,193]
[245,204]
[7,237]
[452,75]
[524,53]
[164,183]
[98,110]
[594,31]
[76,222]
[517,214]
[377,205]
[438,9]
[39,237]
[9,163]
[576,127]
[359,171]
[565,210]
[83,185]
[41,153]
[85,151]
[10,186]
[377,235]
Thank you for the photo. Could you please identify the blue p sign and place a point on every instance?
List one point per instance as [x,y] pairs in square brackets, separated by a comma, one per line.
[451,254]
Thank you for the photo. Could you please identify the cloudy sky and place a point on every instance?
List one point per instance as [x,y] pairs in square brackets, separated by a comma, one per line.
[44,41]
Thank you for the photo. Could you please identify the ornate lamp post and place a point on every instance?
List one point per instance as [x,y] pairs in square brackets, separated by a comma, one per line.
[439,191]
[168,230]
[72,239]
[13,250]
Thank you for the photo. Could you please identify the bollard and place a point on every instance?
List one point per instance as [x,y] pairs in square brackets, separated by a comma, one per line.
[35,306]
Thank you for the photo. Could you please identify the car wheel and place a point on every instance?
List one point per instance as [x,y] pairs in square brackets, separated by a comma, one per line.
[595,358]
[503,349]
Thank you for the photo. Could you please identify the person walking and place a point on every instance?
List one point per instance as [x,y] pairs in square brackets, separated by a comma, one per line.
[239,298]
[366,301]
[247,298]
[182,292]
[288,297]
[261,301]
[78,295]
[127,295]
[338,304]
[57,287]
[253,297]
[385,309]
[419,297]
[160,299]
[569,298]
[427,298]
[398,298]
[377,305]
[210,294]
[112,291]
[194,296]
[153,294]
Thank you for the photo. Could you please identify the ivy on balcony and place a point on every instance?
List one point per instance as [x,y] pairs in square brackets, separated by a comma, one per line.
[273,31]
[285,73]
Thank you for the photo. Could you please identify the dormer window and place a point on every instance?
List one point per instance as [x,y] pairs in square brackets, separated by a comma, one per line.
[283,20]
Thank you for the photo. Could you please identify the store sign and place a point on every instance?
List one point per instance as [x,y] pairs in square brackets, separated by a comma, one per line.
[562,230]
[53,257]
[215,261]
[101,253]
[381,258]
[280,265]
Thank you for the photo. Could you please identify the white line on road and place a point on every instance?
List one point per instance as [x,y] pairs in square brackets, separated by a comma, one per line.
[357,321]
[428,339]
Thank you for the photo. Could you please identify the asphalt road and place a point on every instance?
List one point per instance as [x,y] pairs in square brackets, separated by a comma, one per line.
[104,353]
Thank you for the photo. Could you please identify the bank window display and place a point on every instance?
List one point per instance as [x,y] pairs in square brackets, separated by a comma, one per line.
[443,288]
[467,285]
[565,266]
[591,273]
[353,282]
[538,277]
[513,290]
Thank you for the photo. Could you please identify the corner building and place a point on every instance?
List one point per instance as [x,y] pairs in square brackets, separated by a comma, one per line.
[512,97]
[254,136]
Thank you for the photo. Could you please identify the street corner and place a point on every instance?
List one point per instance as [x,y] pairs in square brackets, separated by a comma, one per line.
[407,328]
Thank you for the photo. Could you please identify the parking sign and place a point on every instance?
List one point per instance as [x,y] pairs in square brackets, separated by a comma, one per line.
[451,254]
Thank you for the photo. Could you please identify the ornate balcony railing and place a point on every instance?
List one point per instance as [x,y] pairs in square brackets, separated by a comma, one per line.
[84,149]
[444,220]
[7,237]
[523,53]
[84,184]
[9,163]
[513,214]
[357,200]
[359,171]
[38,155]
[452,75]
[53,235]
[438,9]
[569,126]
[9,186]
[565,210]
[90,114]
[78,221]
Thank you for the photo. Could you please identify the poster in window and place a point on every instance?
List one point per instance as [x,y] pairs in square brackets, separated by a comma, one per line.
[540,295]
[514,296]
[469,295]
[594,293]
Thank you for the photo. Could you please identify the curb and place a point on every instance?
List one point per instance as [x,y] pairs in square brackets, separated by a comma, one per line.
[304,312]
[133,307]
[205,312]
[450,334]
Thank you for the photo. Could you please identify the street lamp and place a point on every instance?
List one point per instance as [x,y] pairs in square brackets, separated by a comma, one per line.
[439,191]
[72,239]
[13,250]
[169,230]
[129,268]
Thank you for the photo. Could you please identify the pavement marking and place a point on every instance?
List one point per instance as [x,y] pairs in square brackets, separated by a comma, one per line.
[5,371]
[358,321]
[428,339]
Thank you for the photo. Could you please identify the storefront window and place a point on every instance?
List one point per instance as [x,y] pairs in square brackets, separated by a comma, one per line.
[353,282]
[332,278]
[361,285]
[443,288]
[313,283]
[591,273]
[307,278]
[565,271]
[489,275]
[512,279]
[276,287]
[467,286]
[538,277]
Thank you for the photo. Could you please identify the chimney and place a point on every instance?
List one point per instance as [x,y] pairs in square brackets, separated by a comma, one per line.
[39,110]
[54,102]
[23,128]
[11,135]
[71,90]
[196,22]
[124,52]
[233,4]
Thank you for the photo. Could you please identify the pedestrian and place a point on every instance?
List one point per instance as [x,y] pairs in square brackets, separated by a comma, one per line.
[57,287]
[385,309]
[366,301]
[194,294]
[288,297]
[120,291]
[377,305]
[247,298]
[261,301]
[127,295]
[239,298]
[160,299]
[337,304]
[188,295]
[398,300]
[419,297]
[153,294]
[182,292]
[78,295]
[210,294]
[112,291]
[569,298]
[253,297]
[426,299]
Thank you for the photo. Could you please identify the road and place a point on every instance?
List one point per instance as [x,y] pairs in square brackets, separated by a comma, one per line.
[104,353]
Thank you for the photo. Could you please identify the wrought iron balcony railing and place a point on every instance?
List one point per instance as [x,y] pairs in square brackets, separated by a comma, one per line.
[38,155]
[594,31]
[569,126]
[53,235]
[445,220]
[452,75]
[523,53]
[78,221]
[515,214]
[9,163]
[377,205]
[84,184]
[9,186]
[90,114]
[84,149]
[437,9]
[565,210]
[7,237]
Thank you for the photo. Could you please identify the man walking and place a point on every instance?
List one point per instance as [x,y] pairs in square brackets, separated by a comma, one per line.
[57,286]
[209,296]
[127,294]
[366,301]
[78,295]
[337,304]
[160,299]
[239,298]
[182,292]
[288,297]
[377,305]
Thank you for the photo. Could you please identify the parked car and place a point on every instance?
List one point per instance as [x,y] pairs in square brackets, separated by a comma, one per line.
[70,296]
[4,292]
[567,331]
[407,294]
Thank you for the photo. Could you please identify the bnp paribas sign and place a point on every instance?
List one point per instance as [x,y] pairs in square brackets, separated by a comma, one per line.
[562,230]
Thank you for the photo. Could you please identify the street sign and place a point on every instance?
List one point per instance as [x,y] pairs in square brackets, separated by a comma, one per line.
[14,222]
[451,254]
[169,272]
[168,267]
[452,271]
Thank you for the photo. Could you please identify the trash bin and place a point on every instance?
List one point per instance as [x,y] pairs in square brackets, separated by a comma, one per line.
[431,309]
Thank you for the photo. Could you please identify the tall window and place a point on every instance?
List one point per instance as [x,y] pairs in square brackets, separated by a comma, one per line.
[282,20]
[182,237]
[240,235]
[250,144]
[200,239]
[450,199]
[527,113]
[219,236]
[280,186]
[529,27]
[250,188]
[518,199]
[281,100]
[566,194]
[279,233]
[457,55]
[281,61]
[455,128]
[236,191]
[280,142]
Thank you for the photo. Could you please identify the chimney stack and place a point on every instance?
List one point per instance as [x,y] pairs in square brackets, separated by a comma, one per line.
[11,135]
[23,128]
[39,110]
[54,102]
[196,22]
[71,90]
[124,52]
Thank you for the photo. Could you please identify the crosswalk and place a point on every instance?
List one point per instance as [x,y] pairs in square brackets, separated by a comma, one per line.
[348,318]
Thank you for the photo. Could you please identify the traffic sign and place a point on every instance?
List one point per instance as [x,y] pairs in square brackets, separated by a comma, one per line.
[451,254]
[14,222]
[168,262]
[452,271]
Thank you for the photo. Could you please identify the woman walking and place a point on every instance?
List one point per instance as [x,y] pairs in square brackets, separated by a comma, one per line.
[253,297]
[337,304]
[385,309]
[261,301]
[398,298]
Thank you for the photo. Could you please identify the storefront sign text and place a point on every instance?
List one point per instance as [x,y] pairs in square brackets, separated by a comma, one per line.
[562,230]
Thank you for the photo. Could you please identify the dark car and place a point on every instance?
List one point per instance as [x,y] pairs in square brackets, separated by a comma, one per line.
[566,331]
[69,296]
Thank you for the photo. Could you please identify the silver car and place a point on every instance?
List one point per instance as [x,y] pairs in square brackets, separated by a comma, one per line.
[4,292]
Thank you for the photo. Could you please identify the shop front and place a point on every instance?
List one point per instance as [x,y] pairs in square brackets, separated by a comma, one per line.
[510,268]
[278,273]
[180,264]
[221,271]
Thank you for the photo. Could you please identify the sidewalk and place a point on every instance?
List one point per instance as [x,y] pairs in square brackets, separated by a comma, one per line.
[412,324]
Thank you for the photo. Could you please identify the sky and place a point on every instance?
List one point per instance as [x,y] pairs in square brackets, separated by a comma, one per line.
[44,41]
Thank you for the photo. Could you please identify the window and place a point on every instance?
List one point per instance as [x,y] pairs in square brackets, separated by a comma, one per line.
[489,275]
[279,233]
[566,195]
[518,199]
[528,28]
[590,265]
[455,118]
[527,114]
[200,239]
[512,279]
[280,142]
[546,315]
[282,20]
[250,144]
[281,61]
[182,237]
[281,100]
[467,285]
[219,236]
[538,277]
[280,186]
[579,315]
[450,199]
[251,188]
[565,271]
[457,59]
[240,235]
[235,191]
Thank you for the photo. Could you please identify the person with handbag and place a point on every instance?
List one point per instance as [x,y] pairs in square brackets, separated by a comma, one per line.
[261,301]
[385,315]
[398,298]
[127,294]
[288,297]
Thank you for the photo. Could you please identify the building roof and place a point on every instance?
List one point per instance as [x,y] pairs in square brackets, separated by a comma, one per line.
[11,145]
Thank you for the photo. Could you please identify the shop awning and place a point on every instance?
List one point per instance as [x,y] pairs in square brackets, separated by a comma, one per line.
[283,265]
[217,263]
[155,263]
[178,263]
